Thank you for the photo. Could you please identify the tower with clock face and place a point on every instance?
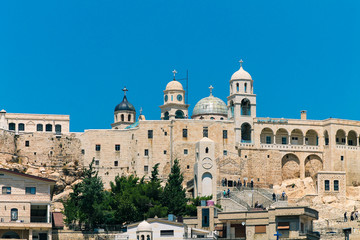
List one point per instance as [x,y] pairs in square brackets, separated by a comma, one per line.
[205,169]
[174,106]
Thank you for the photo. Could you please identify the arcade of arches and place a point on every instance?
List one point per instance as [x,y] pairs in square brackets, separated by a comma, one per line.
[292,167]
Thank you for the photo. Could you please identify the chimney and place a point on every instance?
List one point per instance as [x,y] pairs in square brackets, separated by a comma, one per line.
[303,114]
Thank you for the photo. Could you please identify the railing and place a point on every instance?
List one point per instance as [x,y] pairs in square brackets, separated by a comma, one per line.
[290,147]
[25,219]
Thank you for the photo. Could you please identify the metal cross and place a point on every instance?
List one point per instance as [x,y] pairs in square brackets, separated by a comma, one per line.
[125,90]
[140,110]
[211,88]
[174,72]
[241,61]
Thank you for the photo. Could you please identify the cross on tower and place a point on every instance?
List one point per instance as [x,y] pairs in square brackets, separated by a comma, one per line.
[241,61]
[140,110]
[211,88]
[125,90]
[174,72]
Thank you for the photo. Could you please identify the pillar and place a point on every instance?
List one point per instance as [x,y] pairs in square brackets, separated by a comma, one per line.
[30,234]
[302,167]
[228,230]
[50,234]
[304,140]
[274,142]
[289,137]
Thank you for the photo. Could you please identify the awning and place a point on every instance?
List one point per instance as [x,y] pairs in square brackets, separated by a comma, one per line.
[58,220]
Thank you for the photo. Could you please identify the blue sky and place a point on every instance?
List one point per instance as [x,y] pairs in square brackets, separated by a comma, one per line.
[74,57]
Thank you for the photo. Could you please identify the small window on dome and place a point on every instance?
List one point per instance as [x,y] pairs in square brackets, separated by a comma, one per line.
[129,118]
[237,87]
[245,87]
[122,117]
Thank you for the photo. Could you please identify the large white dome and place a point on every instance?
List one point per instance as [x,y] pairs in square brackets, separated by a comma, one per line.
[210,106]
[144,226]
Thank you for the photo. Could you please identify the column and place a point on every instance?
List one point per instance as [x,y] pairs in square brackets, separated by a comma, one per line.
[49,234]
[30,234]
[274,142]
[304,140]
[346,140]
[289,137]
[302,167]
[228,230]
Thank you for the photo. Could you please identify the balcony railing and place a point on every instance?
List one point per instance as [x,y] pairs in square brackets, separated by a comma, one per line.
[25,219]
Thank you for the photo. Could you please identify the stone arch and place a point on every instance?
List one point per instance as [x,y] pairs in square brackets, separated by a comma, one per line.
[313,164]
[290,166]
[10,235]
[326,137]
[267,136]
[297,137]
[206,184]
[311,138]
[245,107]
[352,138]
[245,132]
[166,116]
[340,137]
[179,114]
[282,136]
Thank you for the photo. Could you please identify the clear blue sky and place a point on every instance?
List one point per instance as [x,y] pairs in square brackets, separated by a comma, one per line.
[74,57]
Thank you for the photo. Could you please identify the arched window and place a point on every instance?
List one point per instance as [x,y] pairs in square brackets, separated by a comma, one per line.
[48,127]
[326,137]
[122,117]
[58,128]
[142,237]
[148,237]
[166,116]
[245,87]
[352,138]
[39,127]
[10,235]
[212,118]
[245,107]
[14,214]
[245,132]
[340,137]
[237,87]
[232,108]
[207,150]
[179,114]
[129,117]
[12,126]
[21,127]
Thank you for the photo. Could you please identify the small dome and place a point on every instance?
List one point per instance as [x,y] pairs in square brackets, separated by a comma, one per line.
[241,74]
[210,105]
[174,85]
[124,105]
[144,226]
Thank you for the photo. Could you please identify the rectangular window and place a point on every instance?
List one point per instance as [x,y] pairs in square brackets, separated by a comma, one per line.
[224,134]
[205,217]
[166,233]
[97,162]
[146,168]
[327,185]
[268,139]
[283,140]
[30,190]
[146,152]
[165,152]
[97,147]
[350,142]
[27,143]
[260,229]
[336,185]
[117,147]
[205,132]
[326,141]
[185,133]
[225,153]
[343,140]
[185,151]
[337,140]
[150,134]
[6,190]
[116,163]
[342,158]
[82,151]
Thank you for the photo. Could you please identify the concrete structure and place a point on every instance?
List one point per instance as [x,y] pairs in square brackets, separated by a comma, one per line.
[290,222]
[25,206]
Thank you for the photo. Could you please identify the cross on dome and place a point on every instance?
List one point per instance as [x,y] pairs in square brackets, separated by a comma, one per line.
[211,88]
[174,72]
[140,110]
[241,62]
[125,90]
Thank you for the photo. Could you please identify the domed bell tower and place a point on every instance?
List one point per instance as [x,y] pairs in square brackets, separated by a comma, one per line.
[242,105]
[124,113]
[174,106]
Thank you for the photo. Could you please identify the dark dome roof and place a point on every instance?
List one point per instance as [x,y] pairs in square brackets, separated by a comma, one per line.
[124,105]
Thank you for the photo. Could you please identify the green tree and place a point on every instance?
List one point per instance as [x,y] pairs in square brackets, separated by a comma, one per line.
[174,197]
[86,204]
